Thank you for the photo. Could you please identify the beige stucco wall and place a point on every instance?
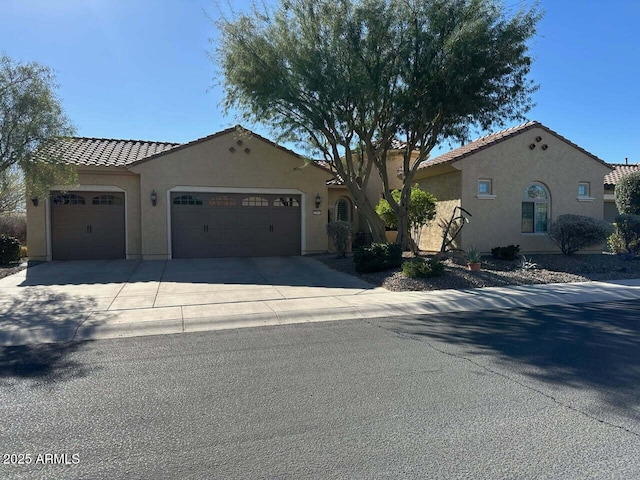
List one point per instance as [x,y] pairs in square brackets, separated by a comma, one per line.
[446,188]
[210,164]
[94,179]
[511,166]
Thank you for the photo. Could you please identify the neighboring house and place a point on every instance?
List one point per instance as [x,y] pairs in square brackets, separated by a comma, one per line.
[233,193]
[610,181]
[514,183]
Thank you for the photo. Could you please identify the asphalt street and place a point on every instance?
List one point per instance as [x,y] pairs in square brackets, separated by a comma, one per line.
[550,392]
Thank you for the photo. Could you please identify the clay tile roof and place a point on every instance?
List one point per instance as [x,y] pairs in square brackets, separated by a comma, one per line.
[103,152]
[494,138]
[621,169]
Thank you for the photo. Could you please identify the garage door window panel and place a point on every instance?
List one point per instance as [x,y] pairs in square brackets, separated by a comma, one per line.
[107,200]
[286,202]
[222,201]
[68,200]
[255,202]
[187,200]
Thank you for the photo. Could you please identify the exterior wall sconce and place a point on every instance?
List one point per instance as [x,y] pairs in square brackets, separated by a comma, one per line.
[35,201]
[154,198]
[318,200]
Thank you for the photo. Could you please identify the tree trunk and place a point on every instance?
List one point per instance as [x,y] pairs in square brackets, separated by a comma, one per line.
[376,225]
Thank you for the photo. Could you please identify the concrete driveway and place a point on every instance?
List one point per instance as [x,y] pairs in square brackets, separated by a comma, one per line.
[64,301]
[96,295]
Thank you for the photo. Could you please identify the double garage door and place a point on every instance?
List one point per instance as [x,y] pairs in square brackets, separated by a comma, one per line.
[207,225]
[87,226]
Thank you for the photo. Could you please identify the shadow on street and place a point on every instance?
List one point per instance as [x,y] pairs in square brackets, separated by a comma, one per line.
[590,346]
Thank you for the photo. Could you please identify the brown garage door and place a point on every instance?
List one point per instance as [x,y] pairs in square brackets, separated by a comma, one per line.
[205,225]
[87,226]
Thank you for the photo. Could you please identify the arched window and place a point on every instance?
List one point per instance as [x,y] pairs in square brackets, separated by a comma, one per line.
[187,200]
[535,209]
[343,210]
[286,202]
[69,199]
[106,200]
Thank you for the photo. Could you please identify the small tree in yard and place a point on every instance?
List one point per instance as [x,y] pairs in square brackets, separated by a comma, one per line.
[340,233]
[346,78]
[422,209]
[575,232]
[626,236]
[628,194]
[31,118]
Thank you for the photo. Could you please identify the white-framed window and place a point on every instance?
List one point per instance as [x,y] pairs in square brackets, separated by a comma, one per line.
[584,189]
[343,209]
[535,208]
[484,187]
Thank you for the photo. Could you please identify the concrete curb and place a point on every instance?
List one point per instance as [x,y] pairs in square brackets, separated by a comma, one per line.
[198,318]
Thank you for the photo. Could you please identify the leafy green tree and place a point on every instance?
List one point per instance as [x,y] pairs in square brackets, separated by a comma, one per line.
[11,190]
[422,209]
[348,77]
[628,194]
[30,117]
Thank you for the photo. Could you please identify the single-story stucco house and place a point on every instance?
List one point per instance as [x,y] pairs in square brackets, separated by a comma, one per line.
[235,193]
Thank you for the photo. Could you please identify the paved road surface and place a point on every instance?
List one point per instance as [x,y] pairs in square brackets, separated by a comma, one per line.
[550,392]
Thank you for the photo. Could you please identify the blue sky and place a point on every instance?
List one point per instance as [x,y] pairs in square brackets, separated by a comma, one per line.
[139,68]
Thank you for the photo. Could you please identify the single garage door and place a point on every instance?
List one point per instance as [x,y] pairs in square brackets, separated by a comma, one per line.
[205,225]
[87,226]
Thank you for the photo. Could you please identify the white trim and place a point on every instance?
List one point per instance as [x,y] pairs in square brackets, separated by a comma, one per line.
[484,196]
[86,188]
[266,191]
[586,199]
[609,197]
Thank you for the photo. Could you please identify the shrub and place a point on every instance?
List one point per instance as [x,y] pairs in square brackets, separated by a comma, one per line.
[626,236]
[419,267]
[509,252]
[9,249]
[340,233]
[377,257]
[14,225]
[628,194]
[23,252]
[575,232]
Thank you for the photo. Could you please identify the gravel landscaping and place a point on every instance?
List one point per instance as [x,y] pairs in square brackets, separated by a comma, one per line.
[496,273]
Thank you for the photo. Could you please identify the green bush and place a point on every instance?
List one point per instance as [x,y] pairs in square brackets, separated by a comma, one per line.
[9,249]
[575,232]
[419,267]
[626,236]
[377,257]
[628,194]
[340,232]
[509,252]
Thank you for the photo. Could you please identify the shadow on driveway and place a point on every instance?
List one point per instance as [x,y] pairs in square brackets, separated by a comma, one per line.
[590,346]
[285,271]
